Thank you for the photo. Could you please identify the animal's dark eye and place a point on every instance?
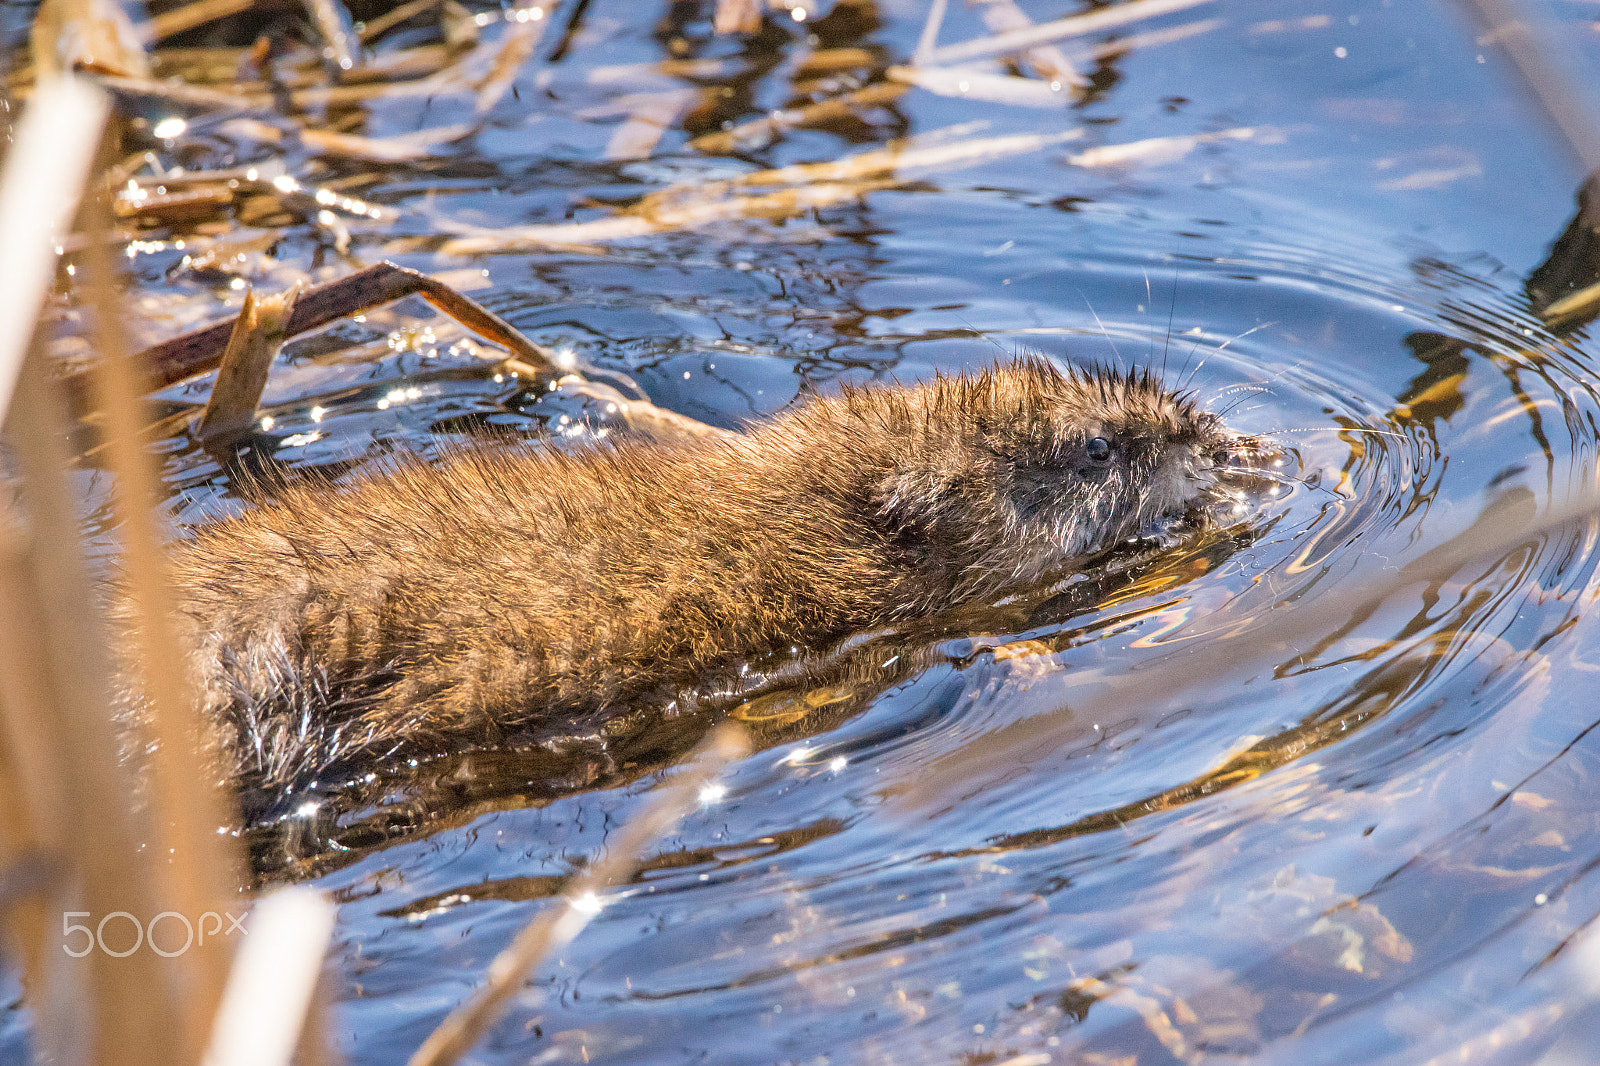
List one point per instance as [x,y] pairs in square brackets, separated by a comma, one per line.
[1098,449]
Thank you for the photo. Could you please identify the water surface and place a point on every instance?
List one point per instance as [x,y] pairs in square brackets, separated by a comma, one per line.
[1176,827]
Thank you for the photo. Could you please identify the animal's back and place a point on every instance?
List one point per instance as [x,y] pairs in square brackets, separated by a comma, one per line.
[463,597]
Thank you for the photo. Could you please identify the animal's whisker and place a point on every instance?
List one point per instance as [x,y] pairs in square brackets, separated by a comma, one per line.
[1220,348]
[1247,393]
[1172,310]
[1230,390]
[1345,429]
[1103,331]
[1277,475]
[1150,301]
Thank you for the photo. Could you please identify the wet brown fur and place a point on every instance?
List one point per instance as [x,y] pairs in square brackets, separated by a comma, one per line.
[505,583]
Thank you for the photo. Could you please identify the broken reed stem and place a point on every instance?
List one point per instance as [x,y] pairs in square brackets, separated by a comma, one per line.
[929,38]
[1045,60]
[258,334]
[556,926]
[201,870]
[193,353]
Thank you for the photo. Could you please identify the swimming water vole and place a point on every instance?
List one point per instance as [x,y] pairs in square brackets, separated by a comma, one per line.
[502,584]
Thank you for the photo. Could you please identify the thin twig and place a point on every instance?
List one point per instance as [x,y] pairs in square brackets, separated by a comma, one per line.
[804,186]
[375,28]
[758,132]
[332,19]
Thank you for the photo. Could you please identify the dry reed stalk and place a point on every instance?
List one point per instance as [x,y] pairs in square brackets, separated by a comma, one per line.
[124,1008]
[929,38]
[44,811]
[202,869]
[258,334]
[42,179]
[1152,38]
[736,16]
[977,84]
[183,96]
[399,148]
[769,126]
[94,35]
[556,926]
[171,23]
[401,65]
[1047,61]
[1573,306]
[45,171]
[648,120]
[487,70]
[33,813]
[377,27]
[830,59]
[163,209]
[1155,150]
[196,352]
[267,1009]
[203,349]
[588,237]
[341,47]
[74,847]
[1106,18]
[934,150]
[1529,46]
